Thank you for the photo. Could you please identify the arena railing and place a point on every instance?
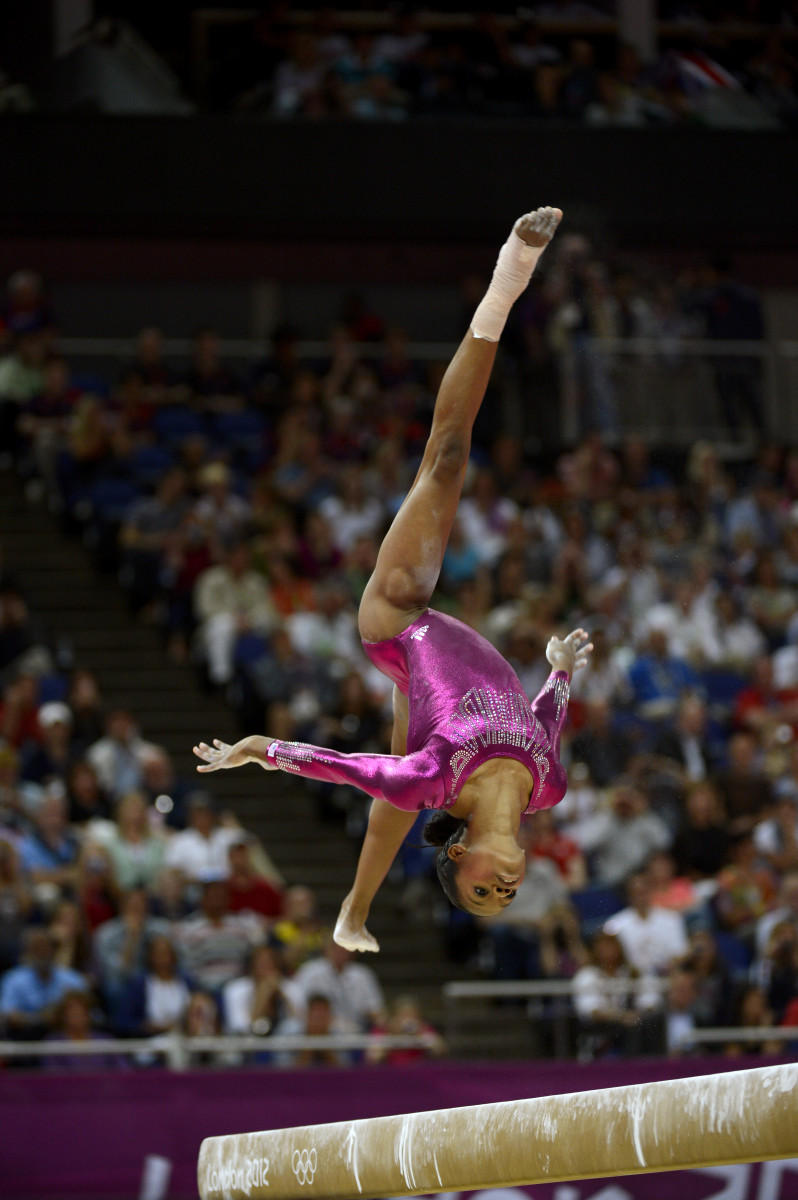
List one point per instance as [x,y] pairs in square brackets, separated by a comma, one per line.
[178,1051]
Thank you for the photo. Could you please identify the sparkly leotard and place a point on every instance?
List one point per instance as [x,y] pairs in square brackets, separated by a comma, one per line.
[466,705]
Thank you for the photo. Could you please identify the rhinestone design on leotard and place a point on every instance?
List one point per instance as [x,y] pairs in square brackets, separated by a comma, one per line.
[486,717]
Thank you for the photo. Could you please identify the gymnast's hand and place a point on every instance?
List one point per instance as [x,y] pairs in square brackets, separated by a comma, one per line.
[220,756]
[570,653]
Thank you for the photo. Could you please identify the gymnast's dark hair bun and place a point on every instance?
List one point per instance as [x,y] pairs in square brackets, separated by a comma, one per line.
[440,827]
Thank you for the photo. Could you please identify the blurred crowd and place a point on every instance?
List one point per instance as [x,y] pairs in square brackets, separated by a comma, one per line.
[730,65]
[242,512]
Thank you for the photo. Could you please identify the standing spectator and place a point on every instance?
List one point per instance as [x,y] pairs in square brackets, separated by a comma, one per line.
[214,944]
[30,993]
[652,938]
[230,599]
[351,988]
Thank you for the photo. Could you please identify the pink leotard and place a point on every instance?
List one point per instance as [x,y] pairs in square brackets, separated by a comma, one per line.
[466,705]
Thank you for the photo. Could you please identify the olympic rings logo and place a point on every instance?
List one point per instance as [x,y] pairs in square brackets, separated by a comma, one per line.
[303,1164]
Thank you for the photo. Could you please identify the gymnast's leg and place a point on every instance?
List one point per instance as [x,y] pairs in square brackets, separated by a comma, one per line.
[411,554]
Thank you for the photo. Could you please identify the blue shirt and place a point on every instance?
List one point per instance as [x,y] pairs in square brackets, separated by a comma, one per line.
[23,990]
[36,855]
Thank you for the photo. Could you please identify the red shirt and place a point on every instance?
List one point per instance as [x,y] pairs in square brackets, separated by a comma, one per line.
[560,849]
[258,895]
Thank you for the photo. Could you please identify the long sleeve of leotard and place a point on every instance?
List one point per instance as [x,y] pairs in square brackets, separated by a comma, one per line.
[550,706]
[410,782]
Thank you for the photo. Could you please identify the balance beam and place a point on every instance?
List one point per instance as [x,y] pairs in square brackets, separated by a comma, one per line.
[712,1120]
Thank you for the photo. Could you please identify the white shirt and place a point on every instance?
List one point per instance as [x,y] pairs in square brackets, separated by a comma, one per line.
[197,856]
[355,995]
[652,942]
[165,1000]
[596,991]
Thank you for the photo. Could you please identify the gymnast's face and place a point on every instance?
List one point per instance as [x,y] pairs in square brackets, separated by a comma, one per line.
[487,876]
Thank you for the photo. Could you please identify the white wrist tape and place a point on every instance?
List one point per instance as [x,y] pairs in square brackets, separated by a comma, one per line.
[511,275]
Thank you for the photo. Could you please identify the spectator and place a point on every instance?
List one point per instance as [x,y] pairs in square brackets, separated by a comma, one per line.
[777,837]
[213,943]
[255,1002]
[118,757]
[74,1024]
[744,892]
[16,906]
[712,978]
[753,1013]
[701,847]
[614,1014]
[87,799]
[221,513]
[86,706]
[30,993]
[405,1020]
[230,599]
[687,745]
[318,1019]
[299,931]
[352,989]
[659,679]
[604,749]
[68,930]
[351,512]
[120,945]
[155,1001]
[202,848]
[652,938]
[669,890]
[49,853]
[51,757]
[208,378]
[681,1006]
[515,937]
[149,526]
[786,909]
[776,969]
[745,790]
[247,890]
[542,839]
[136,851]
[620,839]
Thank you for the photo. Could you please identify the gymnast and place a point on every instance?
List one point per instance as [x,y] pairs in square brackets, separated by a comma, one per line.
[466,739]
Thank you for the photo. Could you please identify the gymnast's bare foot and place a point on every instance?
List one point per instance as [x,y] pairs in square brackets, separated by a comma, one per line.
[537,228]
[351,933]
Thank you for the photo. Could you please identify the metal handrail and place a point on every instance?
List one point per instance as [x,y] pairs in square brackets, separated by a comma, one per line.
[178,1049]
[542,988]
[744,1033]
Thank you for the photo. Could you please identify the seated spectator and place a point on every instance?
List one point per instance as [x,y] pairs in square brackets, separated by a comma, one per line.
[752,1012]
[202,848]
[686,745]
[208,378]
[213,943]
[222,514]
[515,936]
[149,526]
[165,790]
[201,1019]
[776,969]
[745,790]
[68,930]
[31,993]
[786,909]
[605,750]
[669,890]
[777,837]
[48,854]
[745,891]
[230,599]
[247,890]
[620,839]
[137,853]
[762,706]
[318,1019]
[712,978]
[652,938]
[613,1014]
[404,1019]
[734,641]
[120,945]
[329,633]
[50,757]
[701,847]
[16,906]
[155,1001]
[681,1011]
[351,512]
[255,1002]
[19,708]
[542,839]
[659,679]
[299,931]
[118,756]
[86,705]
[352,989]
[87,799]
[16,627]
[74,1023]
[96,888]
